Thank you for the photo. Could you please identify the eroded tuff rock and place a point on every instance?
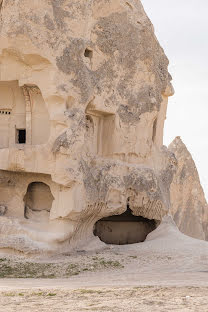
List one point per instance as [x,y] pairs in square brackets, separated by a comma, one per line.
[83,96]
[188,204]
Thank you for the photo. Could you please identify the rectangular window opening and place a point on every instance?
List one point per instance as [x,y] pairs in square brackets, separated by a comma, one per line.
[21,136]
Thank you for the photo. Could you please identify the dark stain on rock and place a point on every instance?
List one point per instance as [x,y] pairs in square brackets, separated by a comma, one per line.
[98,180]
[61,141]
[59,13]
[138,104]
[49,22]
[133,44]
[71,62]
[143,180]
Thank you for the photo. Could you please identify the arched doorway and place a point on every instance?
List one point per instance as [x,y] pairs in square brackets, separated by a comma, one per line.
[24,117]
[38,201]
[124,229]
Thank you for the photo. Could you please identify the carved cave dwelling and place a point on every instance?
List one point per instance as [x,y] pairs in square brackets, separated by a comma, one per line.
[82,109]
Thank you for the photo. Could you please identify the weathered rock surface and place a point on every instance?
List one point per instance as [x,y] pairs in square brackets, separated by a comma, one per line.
[83,96]
[188,204]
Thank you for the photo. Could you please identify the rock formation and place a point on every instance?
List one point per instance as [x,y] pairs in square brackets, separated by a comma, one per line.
[84,88]
[188,204]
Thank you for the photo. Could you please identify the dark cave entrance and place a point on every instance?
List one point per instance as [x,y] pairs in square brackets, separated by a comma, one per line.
[124,229]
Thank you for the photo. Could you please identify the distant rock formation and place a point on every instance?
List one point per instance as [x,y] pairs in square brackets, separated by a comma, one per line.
[188,204]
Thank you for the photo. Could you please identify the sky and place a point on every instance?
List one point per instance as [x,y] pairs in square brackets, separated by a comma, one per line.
[181,27]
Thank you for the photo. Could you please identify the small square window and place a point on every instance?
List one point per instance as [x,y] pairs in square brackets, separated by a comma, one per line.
[88,53]
[21,136]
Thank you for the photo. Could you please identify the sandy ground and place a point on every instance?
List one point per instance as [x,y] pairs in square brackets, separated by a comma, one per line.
[168,272]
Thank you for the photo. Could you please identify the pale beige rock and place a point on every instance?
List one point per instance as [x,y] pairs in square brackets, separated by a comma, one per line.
[188,204]
[84,88]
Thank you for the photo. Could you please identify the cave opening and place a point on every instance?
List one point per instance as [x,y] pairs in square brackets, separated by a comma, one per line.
[124,229]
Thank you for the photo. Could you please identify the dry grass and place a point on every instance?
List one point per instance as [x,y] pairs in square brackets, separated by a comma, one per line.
[23,269]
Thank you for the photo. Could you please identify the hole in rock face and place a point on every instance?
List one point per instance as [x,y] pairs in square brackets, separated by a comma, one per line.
[38,201]
[124,229]
[88,53]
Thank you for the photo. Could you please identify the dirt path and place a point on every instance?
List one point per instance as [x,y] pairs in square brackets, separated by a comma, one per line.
[109,299]
[110,279]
